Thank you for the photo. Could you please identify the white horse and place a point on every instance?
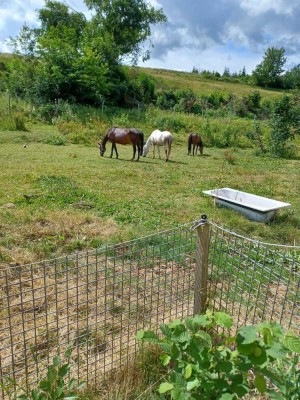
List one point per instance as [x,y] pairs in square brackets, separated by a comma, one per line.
[159,138]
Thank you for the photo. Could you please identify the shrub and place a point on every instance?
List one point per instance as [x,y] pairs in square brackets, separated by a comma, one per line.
[55,385]
[205,362]
[56,140]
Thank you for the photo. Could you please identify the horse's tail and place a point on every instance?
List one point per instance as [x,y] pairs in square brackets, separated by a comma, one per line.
[189,143]
[141,144]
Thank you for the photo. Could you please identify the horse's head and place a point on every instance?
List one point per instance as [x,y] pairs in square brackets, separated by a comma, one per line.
[102,149]
[145,151]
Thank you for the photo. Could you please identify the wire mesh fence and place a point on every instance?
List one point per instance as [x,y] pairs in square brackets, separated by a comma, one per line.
[97,301]
[254,281]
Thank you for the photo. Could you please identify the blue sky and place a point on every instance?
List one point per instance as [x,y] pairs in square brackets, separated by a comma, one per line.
[206,34]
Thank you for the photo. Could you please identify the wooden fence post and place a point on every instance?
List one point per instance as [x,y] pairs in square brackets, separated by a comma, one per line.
[201,267]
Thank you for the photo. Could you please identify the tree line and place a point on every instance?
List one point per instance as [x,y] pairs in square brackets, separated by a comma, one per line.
[269,73]
[72,58]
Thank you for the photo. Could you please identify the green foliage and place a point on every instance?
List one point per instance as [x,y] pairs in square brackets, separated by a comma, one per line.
[205,362]
[74,59]
[283,123]
[55,385]
[56,140]
[257,137]
[128,23]
[269,71]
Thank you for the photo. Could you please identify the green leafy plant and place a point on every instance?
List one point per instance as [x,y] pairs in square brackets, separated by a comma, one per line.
[55,385]
[205,362]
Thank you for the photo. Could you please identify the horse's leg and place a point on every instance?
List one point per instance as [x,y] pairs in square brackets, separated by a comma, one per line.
[112,149]
[134,151]
[158,151]
[153,151]
[117,155]
[138,152]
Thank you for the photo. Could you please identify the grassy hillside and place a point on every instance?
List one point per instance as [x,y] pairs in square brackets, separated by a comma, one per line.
[167,79]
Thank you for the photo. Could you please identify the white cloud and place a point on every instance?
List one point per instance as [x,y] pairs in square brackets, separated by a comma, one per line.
[258,7]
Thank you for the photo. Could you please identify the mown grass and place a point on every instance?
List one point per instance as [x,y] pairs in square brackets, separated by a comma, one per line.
[59,199]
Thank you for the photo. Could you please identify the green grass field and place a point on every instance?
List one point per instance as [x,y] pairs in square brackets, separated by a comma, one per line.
[176,80]
[58,199]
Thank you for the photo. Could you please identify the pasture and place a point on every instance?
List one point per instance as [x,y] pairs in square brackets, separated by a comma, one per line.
[55,200]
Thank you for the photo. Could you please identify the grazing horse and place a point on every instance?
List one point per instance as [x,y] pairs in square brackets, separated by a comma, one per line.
[195,140]
[159,138]
[123,136]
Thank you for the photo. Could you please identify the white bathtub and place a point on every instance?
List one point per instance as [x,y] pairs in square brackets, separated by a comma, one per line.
[254,207]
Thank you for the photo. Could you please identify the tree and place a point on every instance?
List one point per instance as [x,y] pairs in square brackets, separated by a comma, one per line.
[269,71]
[284,123]
[129,24]
[80,60]
[292,78]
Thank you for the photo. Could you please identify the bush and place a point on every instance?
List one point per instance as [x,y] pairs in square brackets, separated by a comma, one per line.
[205,362]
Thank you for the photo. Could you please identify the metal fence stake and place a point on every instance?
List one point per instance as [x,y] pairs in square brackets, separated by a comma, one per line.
[201,267]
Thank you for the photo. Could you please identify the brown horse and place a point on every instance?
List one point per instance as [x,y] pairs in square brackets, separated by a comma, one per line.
[195,140]
[123,136]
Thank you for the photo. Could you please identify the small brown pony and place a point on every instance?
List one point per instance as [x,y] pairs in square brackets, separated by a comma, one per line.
[195,140]
[123,136]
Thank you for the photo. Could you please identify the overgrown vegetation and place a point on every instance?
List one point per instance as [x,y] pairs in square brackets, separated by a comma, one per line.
[55,385]
[205,362]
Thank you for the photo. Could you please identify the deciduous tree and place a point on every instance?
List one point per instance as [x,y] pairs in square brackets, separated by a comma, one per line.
[269,71]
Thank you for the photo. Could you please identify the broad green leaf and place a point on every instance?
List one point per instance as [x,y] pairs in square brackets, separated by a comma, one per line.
[178,393]
[223,319]
[45,385]
[68,352]
[246,335]
[260,383]
[71,384]
[225,366]
[148,336]
[52,373]
[56,361]
[292,343]
[193,384]
[166,330]
[165,359]
[64,370]
[59,392]
[167,348]
[259,356]
[276,351]
[226,396]
[205,337]
[188,371]
[175,323]
[240,390]
[184,337]
[34,394]
[23,397]
[203,320]
[246,349]
[140,334]
[165,387]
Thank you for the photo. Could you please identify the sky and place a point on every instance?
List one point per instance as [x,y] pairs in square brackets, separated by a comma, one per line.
[204,34]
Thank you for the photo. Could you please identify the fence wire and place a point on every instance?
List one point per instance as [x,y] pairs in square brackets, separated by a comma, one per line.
[96,301]
[253,281]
